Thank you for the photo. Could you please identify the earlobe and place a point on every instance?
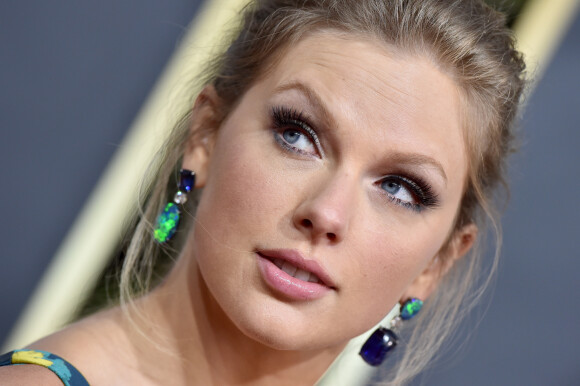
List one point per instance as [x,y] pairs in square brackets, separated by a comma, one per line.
[426,283]
[197,159]
[205,121]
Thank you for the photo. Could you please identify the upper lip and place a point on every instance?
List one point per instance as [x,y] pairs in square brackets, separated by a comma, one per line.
[296,258]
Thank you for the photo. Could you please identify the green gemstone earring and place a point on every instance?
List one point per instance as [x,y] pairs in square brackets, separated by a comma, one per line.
[168,219]
[411,308]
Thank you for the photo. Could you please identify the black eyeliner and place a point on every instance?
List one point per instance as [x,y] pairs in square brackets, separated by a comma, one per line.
[284,117]
[426,197]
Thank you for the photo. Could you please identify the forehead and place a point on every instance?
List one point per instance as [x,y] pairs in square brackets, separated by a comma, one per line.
[397,100]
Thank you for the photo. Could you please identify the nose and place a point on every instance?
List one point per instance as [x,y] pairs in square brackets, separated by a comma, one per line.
[326,212]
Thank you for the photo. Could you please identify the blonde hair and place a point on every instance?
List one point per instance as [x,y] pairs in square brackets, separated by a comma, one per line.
[465,38]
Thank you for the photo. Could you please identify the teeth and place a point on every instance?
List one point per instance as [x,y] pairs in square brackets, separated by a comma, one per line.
[293,271]
[289,268]
[314,279]
[302,275]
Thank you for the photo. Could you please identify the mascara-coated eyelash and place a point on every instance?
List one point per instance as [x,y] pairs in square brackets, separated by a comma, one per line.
[290,123]
[422,195]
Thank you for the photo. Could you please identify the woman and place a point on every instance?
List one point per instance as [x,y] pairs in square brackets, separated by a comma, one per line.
[345,155]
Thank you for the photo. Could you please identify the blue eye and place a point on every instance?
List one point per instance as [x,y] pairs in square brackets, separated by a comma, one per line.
[296,140]
[412,193]
[391,187]
[293,134]
[395,188]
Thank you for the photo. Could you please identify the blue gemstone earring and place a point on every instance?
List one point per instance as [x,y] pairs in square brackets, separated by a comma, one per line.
[168,219]
[382,340]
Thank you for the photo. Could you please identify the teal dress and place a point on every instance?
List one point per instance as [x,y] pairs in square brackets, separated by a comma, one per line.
[66,372]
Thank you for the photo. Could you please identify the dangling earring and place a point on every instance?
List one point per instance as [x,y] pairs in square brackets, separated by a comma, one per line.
[168,219]
[382,340]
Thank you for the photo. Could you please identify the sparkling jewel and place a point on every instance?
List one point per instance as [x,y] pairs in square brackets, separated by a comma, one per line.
[396,322]
[411,308]
[180,198]
[186,180]
[378,345]
[167,223]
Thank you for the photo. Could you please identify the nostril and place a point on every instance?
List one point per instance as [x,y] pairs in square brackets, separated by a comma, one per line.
[331,236]
[307,223]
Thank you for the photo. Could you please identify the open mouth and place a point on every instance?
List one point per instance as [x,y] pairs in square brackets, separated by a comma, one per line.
[297,266]
[293,275]
[294,271]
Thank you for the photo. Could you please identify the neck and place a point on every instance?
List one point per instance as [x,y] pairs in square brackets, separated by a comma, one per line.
[207,347]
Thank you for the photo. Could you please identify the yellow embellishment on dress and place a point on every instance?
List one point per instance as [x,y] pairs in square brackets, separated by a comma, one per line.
[32,357]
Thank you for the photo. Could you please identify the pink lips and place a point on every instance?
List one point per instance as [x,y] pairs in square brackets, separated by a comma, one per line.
[309,281]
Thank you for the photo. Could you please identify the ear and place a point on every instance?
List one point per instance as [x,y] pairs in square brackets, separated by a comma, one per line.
[205,121]
[426,283]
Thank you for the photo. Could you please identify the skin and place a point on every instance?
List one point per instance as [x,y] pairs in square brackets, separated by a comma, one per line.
[376,113]
[381,112]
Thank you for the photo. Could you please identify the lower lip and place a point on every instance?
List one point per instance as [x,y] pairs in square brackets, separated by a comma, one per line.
[288,285]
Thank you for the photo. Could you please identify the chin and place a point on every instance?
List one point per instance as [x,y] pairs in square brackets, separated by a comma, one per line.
[279,340]
[287,332]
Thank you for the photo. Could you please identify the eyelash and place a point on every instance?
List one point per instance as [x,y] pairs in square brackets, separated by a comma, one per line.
[287,118]
[419,188]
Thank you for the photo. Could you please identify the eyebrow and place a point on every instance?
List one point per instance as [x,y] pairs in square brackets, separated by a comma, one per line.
[413,159]
[416,159]
[312,97]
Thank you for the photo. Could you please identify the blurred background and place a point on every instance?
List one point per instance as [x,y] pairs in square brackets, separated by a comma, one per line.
[74,77]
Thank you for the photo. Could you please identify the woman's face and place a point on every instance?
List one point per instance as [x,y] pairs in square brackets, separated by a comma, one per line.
[330,188]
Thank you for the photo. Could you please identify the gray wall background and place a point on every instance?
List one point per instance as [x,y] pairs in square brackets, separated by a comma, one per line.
[73,75]
[530,335]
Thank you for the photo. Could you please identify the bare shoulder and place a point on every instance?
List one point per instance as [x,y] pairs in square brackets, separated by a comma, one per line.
[23,375]
[101,347]
[87,336]
[91,345]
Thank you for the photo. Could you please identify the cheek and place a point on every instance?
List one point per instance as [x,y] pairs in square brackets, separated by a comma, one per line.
[240,195]
[390,262]
[229,216]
